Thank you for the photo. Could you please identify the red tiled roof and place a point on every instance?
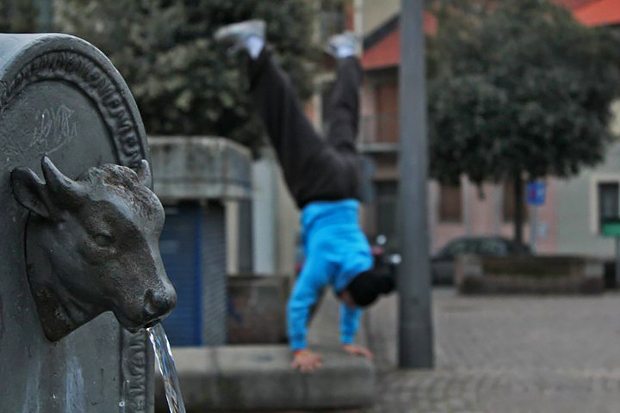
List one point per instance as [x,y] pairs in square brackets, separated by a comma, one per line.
[386,52]
[599,13]
[573,4]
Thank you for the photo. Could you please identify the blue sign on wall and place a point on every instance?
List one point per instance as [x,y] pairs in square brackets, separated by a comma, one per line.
[536,193]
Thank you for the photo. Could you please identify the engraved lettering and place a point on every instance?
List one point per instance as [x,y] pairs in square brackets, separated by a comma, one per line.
[88,76]
[55,128]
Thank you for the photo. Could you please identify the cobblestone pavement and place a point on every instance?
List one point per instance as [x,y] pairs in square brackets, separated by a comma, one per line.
[506,354]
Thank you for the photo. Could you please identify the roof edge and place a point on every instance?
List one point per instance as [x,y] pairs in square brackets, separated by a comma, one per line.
[381,31]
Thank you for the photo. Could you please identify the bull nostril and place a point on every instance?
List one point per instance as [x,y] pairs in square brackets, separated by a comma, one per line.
[157,303]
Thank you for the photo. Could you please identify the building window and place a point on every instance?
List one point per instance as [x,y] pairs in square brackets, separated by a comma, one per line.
[450,203]
[608,200]
[509,203]
[386,120]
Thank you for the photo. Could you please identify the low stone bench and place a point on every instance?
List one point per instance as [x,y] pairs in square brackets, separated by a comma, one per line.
[255,378]
[554,274]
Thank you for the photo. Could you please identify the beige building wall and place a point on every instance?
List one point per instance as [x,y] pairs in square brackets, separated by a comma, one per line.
[483,215]
[288,229]
[578,208]
[376,12]
[275,219]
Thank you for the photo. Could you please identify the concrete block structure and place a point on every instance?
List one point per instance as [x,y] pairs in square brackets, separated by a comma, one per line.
[201,182]
[260,378]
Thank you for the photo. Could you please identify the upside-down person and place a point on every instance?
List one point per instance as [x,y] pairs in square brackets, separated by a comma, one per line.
[323,176]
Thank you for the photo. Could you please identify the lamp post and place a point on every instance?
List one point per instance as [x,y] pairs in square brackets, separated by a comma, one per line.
[415,315]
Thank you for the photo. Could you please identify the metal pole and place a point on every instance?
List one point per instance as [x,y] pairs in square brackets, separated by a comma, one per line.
[617,262]
[415,319]
[533,227]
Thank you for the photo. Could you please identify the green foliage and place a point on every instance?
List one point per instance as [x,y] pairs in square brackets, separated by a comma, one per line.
[18,16]
[183,82]
[518,89]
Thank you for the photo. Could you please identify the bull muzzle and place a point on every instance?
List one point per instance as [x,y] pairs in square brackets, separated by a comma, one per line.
[158,303]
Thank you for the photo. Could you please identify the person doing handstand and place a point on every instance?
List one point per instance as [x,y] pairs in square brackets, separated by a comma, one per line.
[324,178]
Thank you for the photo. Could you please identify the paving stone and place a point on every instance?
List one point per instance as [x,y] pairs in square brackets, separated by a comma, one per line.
[506,355]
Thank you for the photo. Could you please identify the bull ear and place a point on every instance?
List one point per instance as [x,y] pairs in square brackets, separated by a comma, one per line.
[31,192]
[144,173]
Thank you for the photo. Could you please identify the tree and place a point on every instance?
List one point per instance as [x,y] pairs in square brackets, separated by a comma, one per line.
[182,81]
[18,16]
[518,91]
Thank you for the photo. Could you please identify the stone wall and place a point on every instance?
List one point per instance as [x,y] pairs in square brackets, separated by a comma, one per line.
[529,274]
[257,309]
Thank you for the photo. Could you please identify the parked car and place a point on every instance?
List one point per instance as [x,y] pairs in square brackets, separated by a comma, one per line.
[442,263]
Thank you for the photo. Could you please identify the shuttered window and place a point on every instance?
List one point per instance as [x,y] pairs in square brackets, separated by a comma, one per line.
[450,203]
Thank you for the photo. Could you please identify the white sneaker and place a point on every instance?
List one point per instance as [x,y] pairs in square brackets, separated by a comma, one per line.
[343,45]
[236,35]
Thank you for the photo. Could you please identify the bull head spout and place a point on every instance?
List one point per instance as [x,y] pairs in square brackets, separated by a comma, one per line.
[92,246]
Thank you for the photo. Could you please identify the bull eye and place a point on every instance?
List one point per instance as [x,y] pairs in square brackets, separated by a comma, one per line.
[104,240]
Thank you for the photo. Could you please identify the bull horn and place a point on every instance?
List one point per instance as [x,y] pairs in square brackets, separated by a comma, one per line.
[60,184]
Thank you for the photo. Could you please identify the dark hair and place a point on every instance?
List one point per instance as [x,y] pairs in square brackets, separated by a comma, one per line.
[366,287]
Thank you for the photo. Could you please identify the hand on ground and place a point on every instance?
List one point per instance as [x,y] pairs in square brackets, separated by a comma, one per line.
[307,361]
[358,351]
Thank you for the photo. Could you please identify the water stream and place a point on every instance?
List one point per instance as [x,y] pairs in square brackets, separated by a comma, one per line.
[167,368]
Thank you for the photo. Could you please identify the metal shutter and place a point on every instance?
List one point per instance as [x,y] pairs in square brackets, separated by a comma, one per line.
[180,245]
